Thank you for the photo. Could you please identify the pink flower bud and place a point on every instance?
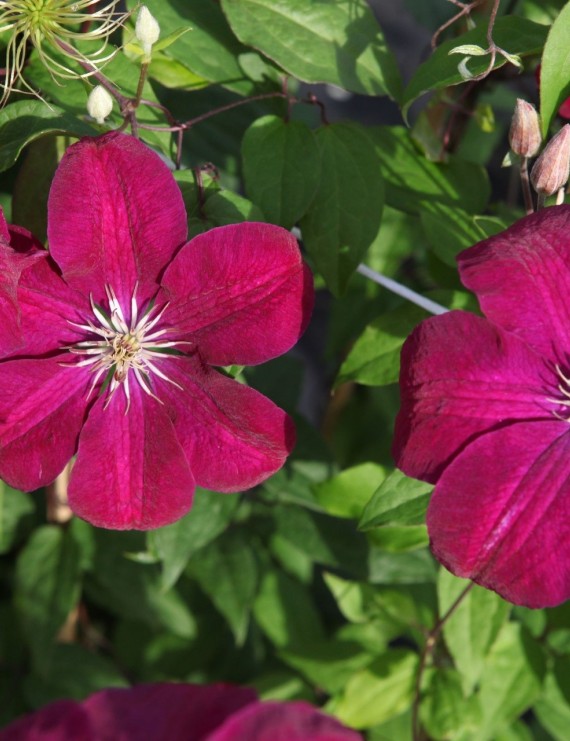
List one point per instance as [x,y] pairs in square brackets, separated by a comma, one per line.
[524,134]
[551,169]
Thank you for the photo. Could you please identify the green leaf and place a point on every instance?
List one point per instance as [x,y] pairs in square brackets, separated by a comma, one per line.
[286,613]
[449,231]
[226,207]
[511,679]
[26,120]
[398,500]
[400,538]
[553,707]
[381,691]
[74,672]
[445,712]
[281,164]
[16,516]
[346,494]
[339,43]
[133,590]
[415,184]
[47,588]
[344,217]
[472,629]
[517,35]
[228,572]
[175,544]
[555,69]
[374,360]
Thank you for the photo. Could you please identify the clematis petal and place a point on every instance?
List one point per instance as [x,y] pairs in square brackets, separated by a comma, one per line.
[500,514]
[240,292]
[522,280]
[15,246]
[48,308]
[42,407]
[115,216]
[164,712]
[461,376]
[279,721]
[63,719]
[233,436]
[131,472]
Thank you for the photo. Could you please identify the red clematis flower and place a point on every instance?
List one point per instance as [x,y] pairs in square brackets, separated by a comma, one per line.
[485,415]
[177,712]
[121,323]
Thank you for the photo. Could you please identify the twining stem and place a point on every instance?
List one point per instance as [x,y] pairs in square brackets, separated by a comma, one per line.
[466,9]
[525,183]
[429,646]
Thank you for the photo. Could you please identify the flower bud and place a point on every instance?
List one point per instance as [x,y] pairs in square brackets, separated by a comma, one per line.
[551,169]
[524,134]
[99,104]
[147,30]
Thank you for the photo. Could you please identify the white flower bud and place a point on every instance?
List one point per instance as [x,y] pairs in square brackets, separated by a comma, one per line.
[99,104]
[147,30]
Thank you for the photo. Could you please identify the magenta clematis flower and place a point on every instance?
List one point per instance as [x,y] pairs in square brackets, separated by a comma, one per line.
[121,324]
[485,415]
[177,712]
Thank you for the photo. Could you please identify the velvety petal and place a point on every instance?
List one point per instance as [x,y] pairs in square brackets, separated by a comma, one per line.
[48,308]
[13,242]
[233,436]
[240,292]
[522,280]
[461,376]
[280,721]
[164,712]
[131,472]
[61,720]
[42,407]
[500,514]
[115,216]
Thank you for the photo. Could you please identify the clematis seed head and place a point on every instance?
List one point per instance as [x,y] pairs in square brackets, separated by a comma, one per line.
[552,168]
[147,30]
[524,134]
[99,104]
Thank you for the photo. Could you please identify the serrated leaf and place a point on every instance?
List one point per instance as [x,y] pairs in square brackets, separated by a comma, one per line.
[472,629]
[26,120]
[344,217]
[281,165]
[398,500]
[339,43]
[374,359]
[227,571]
[175,544]
[555,69]
[517,35]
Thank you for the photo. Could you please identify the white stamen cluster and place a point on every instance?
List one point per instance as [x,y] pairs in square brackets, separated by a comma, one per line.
[122,350]
[564,388]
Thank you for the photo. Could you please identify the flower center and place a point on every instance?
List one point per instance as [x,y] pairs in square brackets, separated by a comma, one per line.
[120,351]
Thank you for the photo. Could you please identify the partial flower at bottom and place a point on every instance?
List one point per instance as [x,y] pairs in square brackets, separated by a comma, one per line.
[485,415]
[121,324]
[177,712]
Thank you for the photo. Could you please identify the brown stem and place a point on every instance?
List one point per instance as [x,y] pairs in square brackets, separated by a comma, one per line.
[466,9]
[58,510]
[540,200]
[229,106]
[525,183]
[430,644]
